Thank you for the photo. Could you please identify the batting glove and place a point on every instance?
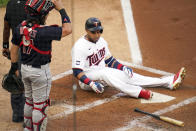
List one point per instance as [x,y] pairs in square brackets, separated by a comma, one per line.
[128,71]
[97,87]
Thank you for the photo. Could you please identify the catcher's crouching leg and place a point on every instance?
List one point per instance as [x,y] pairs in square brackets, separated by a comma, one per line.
[28,109]
[40,115]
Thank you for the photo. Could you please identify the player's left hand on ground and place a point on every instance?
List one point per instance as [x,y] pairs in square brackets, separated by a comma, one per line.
[128,71]
[97,87]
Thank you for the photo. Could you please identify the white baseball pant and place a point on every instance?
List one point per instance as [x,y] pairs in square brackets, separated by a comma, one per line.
[37,83]
[121,81]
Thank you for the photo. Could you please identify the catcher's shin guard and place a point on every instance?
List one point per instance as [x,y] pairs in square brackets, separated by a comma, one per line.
[28,109]
[40,115]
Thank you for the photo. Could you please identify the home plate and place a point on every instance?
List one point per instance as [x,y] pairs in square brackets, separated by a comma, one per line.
[158,98]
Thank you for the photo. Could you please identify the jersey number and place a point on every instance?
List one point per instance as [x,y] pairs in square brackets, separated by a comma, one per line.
[27,49]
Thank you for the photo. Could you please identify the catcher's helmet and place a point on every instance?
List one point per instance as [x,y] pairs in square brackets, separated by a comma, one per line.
[93,24]
[38,7]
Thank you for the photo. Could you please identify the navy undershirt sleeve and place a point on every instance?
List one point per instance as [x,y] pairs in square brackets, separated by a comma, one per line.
[50,33]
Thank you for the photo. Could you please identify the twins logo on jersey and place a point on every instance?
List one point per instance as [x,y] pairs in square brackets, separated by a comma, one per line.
[96,58]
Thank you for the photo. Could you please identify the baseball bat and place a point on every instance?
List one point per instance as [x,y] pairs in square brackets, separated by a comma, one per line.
[163,118]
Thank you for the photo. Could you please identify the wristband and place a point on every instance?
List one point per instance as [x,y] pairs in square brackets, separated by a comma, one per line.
[6,45]
[64,16]
[85,80]
[113,63]
[14,68]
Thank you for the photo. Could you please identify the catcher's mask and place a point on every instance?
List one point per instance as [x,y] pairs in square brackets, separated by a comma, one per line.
[93,24]
[38,7]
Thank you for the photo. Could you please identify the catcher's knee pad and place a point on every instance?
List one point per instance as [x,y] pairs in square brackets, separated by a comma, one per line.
[28,109]
[40,115]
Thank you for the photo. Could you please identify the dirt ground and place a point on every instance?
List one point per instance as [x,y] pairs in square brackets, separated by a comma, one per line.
[166,33]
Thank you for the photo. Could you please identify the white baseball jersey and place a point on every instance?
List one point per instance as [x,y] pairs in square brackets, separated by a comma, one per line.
[87,55]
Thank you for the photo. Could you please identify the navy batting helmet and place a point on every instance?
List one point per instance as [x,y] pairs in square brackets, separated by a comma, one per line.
[93,24]
[38,7]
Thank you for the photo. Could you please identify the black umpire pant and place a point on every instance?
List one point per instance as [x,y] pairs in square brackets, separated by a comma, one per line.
[17,102]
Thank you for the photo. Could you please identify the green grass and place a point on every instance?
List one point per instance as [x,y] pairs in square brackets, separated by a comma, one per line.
[3,3]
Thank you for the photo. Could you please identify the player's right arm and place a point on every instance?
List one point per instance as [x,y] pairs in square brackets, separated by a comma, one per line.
[80,75]
[66,23]
[78,64]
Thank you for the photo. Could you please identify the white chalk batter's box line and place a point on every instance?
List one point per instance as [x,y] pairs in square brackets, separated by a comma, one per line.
[136,122]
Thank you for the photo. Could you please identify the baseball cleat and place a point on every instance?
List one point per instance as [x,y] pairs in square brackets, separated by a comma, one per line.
[178,78]
[146,94]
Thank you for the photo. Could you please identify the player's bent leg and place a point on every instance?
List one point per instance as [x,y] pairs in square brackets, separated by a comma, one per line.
[115,78]
[28,109]
[119,80]
[40,115]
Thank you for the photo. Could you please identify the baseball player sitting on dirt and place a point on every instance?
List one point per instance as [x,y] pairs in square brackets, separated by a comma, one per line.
[35,41]
[93,65]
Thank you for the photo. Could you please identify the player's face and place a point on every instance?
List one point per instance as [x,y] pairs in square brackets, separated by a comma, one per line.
[93,35]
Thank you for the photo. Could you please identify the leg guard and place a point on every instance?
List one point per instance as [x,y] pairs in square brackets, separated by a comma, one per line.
[40,115]
[28,109]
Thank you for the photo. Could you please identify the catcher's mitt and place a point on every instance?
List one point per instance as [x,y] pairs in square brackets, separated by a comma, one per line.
[12,84]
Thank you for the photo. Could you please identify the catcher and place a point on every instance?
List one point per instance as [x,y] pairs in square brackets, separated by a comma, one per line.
[14,15]
[34,39]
